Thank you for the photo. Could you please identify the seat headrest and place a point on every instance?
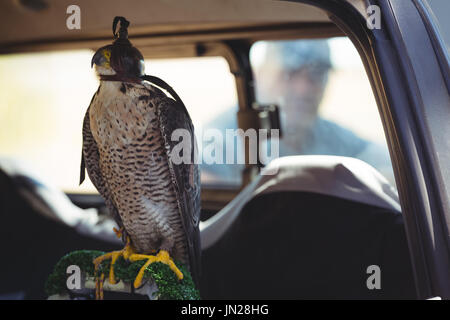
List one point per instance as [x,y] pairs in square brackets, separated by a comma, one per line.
[341,177]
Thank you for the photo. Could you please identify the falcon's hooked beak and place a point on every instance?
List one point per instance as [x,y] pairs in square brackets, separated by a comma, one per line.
[102,58]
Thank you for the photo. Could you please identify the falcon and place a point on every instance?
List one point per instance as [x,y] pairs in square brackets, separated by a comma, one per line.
[127,152]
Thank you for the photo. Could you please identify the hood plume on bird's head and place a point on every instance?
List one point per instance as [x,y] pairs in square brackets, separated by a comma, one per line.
[120,56]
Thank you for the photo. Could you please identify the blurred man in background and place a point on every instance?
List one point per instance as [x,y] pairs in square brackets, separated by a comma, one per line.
[294,75]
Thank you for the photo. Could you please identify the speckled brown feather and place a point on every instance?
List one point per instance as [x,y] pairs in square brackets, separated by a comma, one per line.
[186,178]
[90,160]
[130,127]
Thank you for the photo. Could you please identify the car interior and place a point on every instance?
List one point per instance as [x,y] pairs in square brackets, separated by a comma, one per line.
[308,229]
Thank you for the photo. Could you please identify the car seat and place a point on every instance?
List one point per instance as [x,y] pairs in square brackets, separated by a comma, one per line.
[308,230]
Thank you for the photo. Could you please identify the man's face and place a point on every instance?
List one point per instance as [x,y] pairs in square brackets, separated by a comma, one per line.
[298,92]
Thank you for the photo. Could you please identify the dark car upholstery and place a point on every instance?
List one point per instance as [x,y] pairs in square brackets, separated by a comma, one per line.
[32,244]
[301,245]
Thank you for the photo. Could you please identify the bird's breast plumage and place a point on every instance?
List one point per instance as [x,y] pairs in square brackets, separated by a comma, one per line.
[133,162]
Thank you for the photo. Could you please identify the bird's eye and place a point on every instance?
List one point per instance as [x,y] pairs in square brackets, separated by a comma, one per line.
[107,54]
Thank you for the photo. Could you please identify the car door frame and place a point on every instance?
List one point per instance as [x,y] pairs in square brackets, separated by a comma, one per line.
[414,105]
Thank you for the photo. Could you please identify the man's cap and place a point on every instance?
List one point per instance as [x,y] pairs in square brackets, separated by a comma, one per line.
[294,54]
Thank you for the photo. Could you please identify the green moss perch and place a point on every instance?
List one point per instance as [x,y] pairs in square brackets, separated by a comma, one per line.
[168,286]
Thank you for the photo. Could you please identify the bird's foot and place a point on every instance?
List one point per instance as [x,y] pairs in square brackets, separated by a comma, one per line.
[162,256]
[128,253]
[99,286]
[114,255]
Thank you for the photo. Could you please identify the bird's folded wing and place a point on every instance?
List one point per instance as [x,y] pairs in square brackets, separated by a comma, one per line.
[90,159]
[185,176]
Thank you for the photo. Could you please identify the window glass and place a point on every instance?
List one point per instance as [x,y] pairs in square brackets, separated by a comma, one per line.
[327,104]
[44,98]
[440,9]
[42,103]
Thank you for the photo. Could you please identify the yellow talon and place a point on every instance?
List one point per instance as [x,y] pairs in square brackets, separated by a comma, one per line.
[162,256]
[102,277]
[118,232]
[125,252]
[128,253]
